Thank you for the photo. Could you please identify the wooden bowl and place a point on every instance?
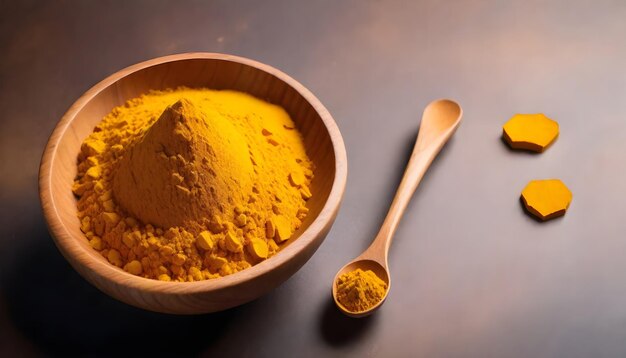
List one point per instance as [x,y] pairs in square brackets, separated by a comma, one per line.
[322,140]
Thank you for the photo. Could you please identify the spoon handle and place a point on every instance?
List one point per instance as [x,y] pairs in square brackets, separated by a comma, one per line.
[424,153]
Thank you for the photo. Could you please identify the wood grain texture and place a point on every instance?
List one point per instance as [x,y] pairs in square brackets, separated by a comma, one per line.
[322,140]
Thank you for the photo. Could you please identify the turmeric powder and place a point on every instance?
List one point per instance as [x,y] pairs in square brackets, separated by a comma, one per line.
[192,184]
[360,290]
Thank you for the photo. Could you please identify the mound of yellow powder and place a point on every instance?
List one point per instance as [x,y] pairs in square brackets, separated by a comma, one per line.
[188,166]
[191,184]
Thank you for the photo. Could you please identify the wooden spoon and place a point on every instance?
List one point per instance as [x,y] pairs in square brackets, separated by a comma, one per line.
[439,121]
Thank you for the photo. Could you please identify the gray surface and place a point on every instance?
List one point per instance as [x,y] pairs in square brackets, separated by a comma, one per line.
[473,275]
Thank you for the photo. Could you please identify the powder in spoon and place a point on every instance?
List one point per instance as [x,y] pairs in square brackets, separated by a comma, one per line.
[192,184]
[360,290]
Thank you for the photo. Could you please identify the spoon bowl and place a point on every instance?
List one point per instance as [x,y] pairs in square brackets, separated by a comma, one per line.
[440,120]
[363,264]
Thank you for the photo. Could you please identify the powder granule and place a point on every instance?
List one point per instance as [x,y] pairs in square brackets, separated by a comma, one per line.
[360,290]
[192,184]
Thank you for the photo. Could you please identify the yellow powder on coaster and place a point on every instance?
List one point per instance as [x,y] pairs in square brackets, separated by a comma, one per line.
[192,184]
[360,290]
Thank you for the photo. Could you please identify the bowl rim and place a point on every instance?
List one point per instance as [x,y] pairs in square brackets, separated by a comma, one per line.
[68,246]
